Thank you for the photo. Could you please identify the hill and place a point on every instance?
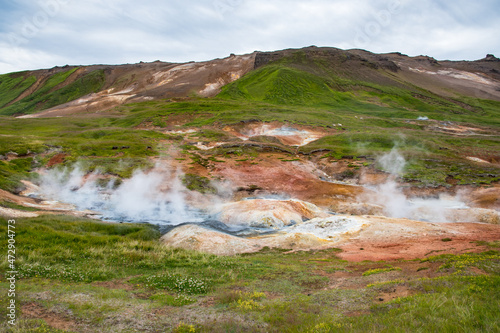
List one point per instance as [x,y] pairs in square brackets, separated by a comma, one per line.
[308,76]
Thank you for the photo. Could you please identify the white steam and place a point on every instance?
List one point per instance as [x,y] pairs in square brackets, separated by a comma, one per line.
[156,196]
[393,163]
[396,204]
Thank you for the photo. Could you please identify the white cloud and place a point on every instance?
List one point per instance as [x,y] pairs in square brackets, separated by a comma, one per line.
[117,31]
[14,59]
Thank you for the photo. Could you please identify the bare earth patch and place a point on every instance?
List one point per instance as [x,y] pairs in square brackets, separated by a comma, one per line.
[35,311]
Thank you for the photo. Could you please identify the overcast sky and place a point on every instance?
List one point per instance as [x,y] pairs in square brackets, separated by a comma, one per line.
[45,33]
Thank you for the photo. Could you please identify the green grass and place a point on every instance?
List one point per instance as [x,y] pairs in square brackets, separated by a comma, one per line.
[85,250]
[287,83]
[65,263]
[11,174]
[197,183]
[11,205]
[46,97]
[286,86]
[12,85]
[90,83]
[94,143]
[461,304]
[38,99]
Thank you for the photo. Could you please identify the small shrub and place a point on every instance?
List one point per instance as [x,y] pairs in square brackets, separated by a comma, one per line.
[380,270]
[184,328]
[248,305]
[325,327]
[229,296]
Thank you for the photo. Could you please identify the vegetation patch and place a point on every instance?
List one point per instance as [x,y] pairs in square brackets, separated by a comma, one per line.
[380,270]
[46,97]
[198,183]
[175,282]
[67,263]
[12,172]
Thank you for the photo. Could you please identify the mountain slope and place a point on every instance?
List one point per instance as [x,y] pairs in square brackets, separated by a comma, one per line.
[73,90]
[373,85]
[311,76]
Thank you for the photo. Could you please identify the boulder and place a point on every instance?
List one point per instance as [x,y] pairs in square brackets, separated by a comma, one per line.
[480,215]
[331,228]
[266,213]
[195,237]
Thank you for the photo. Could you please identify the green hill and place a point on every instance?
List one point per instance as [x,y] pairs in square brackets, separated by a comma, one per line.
[52,92]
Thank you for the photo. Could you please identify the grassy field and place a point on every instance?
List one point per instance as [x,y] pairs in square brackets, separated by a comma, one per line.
[85,276]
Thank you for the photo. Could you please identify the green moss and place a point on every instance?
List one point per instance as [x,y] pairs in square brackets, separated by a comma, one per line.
[198,183]
[380,270]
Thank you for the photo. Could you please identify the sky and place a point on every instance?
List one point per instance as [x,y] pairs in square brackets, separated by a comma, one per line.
[38,34]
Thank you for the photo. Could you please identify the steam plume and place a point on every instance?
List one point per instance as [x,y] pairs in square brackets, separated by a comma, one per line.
[156,196]
[396,204]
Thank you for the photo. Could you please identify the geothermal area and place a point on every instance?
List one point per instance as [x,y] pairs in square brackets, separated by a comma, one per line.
[204,192]
[268,201]
[302,190]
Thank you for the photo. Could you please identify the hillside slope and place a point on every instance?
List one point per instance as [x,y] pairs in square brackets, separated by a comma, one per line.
[388,85]
[89,89]
[309,76]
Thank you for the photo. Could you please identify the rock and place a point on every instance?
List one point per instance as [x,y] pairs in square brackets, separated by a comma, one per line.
[314,234]
[293,241]
[491,57]
[267,213]
[331,228]
[476,159]
[488,198]
[194,237]
[473,215]
[12,155]
[357,208]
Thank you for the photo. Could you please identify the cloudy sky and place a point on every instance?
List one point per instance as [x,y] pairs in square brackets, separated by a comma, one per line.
[45,33]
